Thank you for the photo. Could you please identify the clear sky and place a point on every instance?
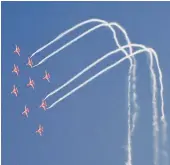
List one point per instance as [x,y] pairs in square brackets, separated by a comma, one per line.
[89,127]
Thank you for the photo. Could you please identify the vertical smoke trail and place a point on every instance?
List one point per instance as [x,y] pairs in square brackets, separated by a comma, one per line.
[155,112]
[163,119]
[129,148]
[134,99]
[131,75]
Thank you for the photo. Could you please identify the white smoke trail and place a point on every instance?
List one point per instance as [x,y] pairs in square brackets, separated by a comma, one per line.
[132,70]
[98,74]
[79,25]
[129,141]
[156,148]
[82,35]
[67,32]
[90,66]
[134,98]
[155,112]
[163,118]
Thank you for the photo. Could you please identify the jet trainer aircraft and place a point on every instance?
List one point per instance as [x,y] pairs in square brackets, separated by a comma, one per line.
[15,90]
[26,111]
[16,69]
[47,76]
[40,130]
[17,50]
[43,105]
[30,63]
[31,83]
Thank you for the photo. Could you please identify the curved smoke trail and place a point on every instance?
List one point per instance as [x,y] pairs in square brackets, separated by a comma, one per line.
[79,37]
[91,66]
[96,75]
[67,32]
[155,125]
[132,69]
[79,25]
[164,123]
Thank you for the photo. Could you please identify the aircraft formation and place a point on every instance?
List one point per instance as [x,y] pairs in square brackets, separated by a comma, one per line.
[31,84]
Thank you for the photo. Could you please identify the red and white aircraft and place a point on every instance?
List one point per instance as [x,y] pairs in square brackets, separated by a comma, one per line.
[26,111]
[16,69]
[30,63]
[15,90]
[40,130]
[17,50]
[31,83]
[43,105]
[47,76]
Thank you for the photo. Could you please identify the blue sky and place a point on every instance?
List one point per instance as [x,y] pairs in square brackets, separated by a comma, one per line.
[89,127]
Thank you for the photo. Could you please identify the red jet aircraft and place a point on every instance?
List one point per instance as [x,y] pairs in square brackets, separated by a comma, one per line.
[17,50]
[47,76]
[31,83]
[15,90]
[40,130]
[26,111]
[30,63]
[43,105]
[16,69]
